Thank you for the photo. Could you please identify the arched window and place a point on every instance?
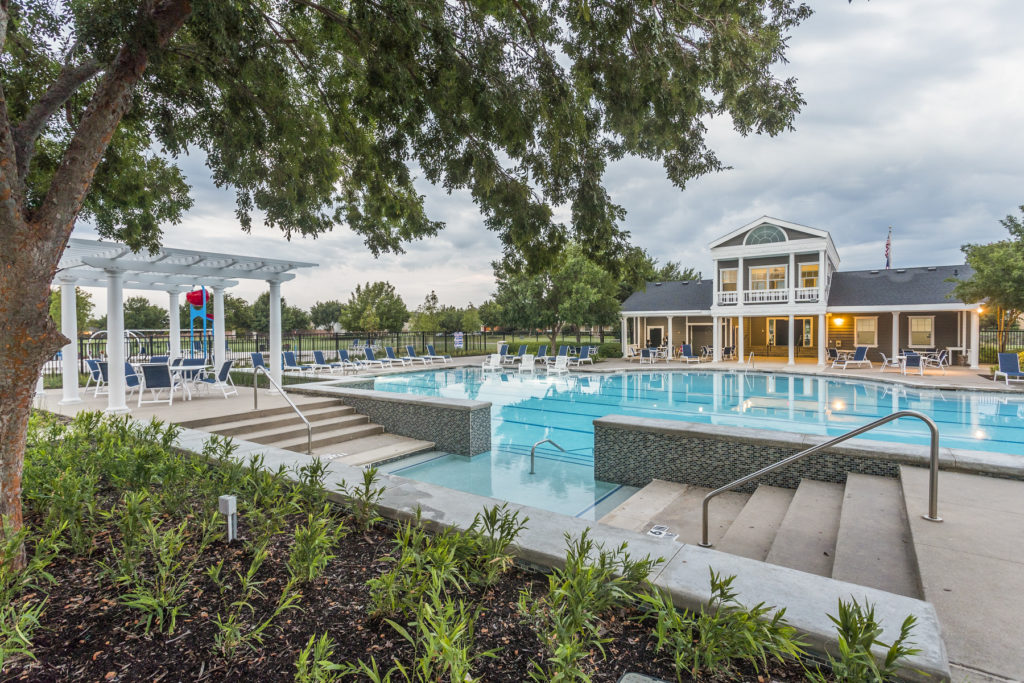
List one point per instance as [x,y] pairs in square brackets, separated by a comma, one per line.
[765,234]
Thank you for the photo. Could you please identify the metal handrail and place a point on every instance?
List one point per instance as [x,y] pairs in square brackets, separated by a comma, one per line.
[533,452]
[255,403]
[933,478]
[750,361]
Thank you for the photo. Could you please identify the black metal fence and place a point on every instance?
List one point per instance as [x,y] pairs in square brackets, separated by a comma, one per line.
[990,343]
[141,346]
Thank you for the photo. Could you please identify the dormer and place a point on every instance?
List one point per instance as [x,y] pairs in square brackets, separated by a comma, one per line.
[772,261]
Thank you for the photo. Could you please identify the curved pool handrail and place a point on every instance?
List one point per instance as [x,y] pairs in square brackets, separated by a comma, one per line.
[533,452]
[933,478]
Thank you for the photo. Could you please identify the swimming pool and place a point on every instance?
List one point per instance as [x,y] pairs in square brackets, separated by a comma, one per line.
[527,409]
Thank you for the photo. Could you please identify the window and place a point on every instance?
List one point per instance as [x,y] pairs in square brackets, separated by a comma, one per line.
[773,277]
[728,280]
[809,275]
[865,331]
[765,234]
[922,331]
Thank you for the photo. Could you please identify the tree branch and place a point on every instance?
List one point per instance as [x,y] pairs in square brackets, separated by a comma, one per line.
[11,189]
[71,78]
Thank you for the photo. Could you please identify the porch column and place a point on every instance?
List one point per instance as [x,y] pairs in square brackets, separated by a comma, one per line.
[741,278]
[792,284]
[115,342]
[741,351]
[670,337]
[716,338]
[792,342]
[69,354]
[822,256]
[219,355]
[622,335]
[275,331]
[975,338]
[174,318]
[822,340]
[895,333]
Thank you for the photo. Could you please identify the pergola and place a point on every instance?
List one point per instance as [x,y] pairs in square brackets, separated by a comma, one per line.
[95,263]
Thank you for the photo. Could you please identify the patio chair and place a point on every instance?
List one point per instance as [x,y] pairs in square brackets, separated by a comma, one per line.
[156,378]
[510,359]
[647,356]
[257,360]
[563,352]
[939,360]
[584,357]
[686,354]
[913,361]
[95,376]
[371,360]
[728,352]
[159,359]
[291,365]
[347,363]
[528,364]
[132,381]
[222,380]
[542,354]
[559,367]
[393,357]
[705,352]
[435,356]
[410,355]
[859,357]
[503,350]
[320,362]
[832,355]
[492,363]
[1009,368]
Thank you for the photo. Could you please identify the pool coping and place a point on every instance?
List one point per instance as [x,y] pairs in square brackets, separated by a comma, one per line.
[807,598]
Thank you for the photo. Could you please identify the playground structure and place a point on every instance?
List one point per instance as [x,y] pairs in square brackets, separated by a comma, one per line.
[198,308]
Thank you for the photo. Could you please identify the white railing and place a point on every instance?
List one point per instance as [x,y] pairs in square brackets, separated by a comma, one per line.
[805,294]
[761,296]
[728,298]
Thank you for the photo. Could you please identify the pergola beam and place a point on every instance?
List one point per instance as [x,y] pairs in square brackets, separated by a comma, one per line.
[275,271]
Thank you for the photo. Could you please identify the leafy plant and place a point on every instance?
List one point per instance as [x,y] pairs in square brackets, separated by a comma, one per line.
[314,664]
[313,542]
[494,531]
[310,493]
[858,632]
[18,622]
[363,499]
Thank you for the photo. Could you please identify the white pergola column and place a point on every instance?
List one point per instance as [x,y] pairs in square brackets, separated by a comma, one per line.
[975,338]
[69,354]
[174,318]
[716,338]
[219,355]
[792,330]
[115,342]
[895,334]
[275,330]
[740,347]
[622,335]
[822,339]
[670,337]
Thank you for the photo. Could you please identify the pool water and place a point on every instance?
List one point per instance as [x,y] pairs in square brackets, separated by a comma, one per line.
[526,409]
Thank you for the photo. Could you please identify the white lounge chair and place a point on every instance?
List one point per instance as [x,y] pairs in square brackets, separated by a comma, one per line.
[492,363]
[559,367]
[528,364]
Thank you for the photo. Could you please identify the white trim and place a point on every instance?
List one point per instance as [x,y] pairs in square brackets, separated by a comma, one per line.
[736,282]
[910,332]
[857,342]
[902,308]
[648,328]
[750,279]
[800,275]
[785,238]
[817,232]
[786,317]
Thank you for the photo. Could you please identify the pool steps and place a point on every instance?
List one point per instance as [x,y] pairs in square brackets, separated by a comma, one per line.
[831,530]
[339,433]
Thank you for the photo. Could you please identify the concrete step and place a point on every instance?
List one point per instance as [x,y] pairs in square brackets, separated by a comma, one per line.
[635,512]
[873,547]
[753,531]
[682,515]
[254,414]
[333,436]
[382,447]
[806,538]
[297,430]
[248,425]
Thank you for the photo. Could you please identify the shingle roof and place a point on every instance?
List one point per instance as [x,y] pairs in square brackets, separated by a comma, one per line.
[688,295]
[897,287]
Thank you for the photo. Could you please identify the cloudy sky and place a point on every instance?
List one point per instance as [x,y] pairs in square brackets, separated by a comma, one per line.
[914,118]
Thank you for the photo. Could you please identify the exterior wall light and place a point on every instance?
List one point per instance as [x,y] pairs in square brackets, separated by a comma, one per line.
[838,322]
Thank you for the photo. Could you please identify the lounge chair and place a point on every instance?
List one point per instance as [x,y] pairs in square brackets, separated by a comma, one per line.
[584,357]
[686,354]
[913,361]
[1009,368]
[510,359]
[528,364]
[222,380]
[320,362]
[257,360]
[393,357]
[95,375]
[290,364]
[559,367]
[503,350]
[434,356]
[541,355]
[370,360]
[563,352]
[889,363]
[939,360]
[410,355]
[859,357]
[346,362]
[492,363]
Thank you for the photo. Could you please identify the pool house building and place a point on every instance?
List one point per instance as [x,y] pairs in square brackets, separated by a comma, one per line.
[777,291]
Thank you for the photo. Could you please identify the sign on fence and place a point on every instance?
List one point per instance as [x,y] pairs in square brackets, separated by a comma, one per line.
[458,340]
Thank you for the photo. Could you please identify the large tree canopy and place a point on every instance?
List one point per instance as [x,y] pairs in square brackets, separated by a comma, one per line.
[316,111]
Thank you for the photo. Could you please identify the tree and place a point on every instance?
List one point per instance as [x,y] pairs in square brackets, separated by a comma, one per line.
[389,309]
[292,317]
[491,314]
[998,277]
[140,314]
[83,307]
[425,318]
[314,112]
[639,267]
[324,314]
[471,320]
[449,319]
[574,291]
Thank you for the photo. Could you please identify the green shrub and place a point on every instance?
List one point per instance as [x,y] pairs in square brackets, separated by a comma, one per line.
[858,631]
[610,350]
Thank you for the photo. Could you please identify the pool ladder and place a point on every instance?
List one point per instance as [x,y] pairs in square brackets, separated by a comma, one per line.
[533,452]
[933,479]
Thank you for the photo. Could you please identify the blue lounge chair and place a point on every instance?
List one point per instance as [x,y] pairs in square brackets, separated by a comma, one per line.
[503,350]
[346,362]
[562,351]
[159,359]
[257,360]
[95,375]
[542,353]
[1009,368]
[913,361]
[371,361]
[434,356]
[157,377]
[290,365]
[222,380]
[648,356]
[584,357]
[859,357]
[686,354]
[410,355]
[510,359]
[393,357]
[321,363]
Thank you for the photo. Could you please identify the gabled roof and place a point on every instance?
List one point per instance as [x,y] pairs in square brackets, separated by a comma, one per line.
[896,287]
[687,295]
[774,221]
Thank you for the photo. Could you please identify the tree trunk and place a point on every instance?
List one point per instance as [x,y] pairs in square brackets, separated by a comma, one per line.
[556,331]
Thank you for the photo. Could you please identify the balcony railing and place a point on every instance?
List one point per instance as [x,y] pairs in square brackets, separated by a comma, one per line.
[761,296]
[728,298]
[803,294]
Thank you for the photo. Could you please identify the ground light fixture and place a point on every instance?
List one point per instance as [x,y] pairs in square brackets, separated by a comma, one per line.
[228,506]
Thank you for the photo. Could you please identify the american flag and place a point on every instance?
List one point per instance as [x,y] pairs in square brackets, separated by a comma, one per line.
[888,250]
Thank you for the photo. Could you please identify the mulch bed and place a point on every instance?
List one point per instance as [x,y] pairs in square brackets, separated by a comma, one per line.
[88,635]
